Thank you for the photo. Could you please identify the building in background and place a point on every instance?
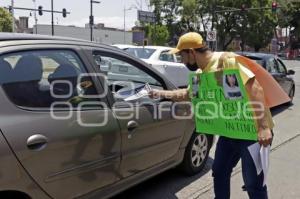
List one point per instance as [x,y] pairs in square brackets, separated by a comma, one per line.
[101,33]
[22,25]
[139,37]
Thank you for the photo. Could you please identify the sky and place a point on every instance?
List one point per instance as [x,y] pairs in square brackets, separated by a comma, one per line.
[109,12]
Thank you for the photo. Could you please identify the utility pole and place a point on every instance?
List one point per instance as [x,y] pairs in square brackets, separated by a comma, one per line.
[52,18]
[13,15]
[92,18]
[35,17]
[124,41]
[124,28]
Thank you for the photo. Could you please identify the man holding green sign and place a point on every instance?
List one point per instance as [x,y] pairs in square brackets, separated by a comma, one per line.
[227,101]
[221,105]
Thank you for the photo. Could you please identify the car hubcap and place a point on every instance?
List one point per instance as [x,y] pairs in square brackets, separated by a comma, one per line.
[199,150]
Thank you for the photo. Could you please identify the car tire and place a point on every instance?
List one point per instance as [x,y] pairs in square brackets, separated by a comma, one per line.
[292,94]
[196,153]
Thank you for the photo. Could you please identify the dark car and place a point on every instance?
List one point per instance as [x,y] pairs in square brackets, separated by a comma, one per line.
[67,129]
[277,69]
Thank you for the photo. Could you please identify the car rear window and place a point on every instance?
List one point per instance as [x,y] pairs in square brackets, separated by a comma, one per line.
[142,53]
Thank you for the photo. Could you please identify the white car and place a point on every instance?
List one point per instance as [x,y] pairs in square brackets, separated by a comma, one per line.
[159,58]
[123,46]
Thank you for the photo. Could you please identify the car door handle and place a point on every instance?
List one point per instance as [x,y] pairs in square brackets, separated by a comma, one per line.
[132,125]
[37,142]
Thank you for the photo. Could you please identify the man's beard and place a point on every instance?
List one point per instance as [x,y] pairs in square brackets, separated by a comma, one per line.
[192,67]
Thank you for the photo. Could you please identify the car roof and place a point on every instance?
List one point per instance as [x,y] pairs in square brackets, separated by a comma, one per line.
[153,47]
[159,47]
[23,36]
[257,55]
[20,38]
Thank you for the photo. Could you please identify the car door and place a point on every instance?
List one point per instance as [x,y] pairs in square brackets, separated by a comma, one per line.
[272,67]
[149,137]
[287,80]
[56,122]
[279,75]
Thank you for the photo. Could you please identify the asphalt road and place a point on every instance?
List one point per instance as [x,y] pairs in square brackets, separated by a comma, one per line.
[284,175]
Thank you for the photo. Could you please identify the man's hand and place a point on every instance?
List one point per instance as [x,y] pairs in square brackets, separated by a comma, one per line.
[179,95]
[265,137]
[155,94]
[256,94]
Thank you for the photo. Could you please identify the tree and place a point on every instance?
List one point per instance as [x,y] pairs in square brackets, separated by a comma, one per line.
[188,15]
[255,28]
[166,13]
[157,4]
[261,26]
[205,11]
[259,36]
[170,11]
[5,21]
[228,24]
[289,18]
[159,34]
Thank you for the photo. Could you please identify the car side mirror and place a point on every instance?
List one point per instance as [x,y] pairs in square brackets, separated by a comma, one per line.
[291,72]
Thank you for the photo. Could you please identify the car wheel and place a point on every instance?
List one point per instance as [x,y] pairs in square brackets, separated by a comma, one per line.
[196,153]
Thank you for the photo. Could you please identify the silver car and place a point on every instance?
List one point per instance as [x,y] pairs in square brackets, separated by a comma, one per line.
[66,134]
[158,57]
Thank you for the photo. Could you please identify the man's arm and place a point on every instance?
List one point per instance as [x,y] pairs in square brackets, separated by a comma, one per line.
[256,95]
[174,95]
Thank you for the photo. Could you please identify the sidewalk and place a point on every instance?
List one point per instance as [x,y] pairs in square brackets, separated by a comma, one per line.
[283,178]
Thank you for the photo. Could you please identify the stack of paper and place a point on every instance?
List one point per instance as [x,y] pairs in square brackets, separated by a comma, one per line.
[260,156]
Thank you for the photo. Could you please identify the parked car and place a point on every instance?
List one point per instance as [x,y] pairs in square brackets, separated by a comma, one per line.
[277,69]
[159,58]
[123,46]
[61,137]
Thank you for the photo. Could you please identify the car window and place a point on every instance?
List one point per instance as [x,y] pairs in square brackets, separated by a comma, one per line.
[42,79]
[281,67]
[271,66]
[165,56]
[125,79]
[178,57]
[258,60]
[142,53]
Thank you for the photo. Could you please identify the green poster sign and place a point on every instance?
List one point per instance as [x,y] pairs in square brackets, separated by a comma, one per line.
[221,105]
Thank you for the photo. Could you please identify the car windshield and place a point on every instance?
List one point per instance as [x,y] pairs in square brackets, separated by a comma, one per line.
[142,53]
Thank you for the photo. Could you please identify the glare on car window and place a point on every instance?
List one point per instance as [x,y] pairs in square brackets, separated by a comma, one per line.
[260,62]
[142,53]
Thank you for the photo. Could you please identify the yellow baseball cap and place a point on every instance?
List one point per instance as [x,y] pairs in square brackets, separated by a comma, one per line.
[191,40]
